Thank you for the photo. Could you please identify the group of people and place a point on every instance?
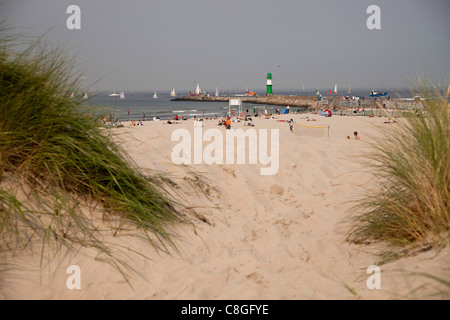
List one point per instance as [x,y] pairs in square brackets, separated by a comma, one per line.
[139,123]
[226,123]
[109,124]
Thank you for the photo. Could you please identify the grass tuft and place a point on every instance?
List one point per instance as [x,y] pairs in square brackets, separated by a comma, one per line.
[63,160]
[410,210]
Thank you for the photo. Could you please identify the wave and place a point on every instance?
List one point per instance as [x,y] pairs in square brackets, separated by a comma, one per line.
[183,111]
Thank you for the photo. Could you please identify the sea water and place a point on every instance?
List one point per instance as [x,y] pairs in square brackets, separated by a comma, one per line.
[139,103]
[136,104]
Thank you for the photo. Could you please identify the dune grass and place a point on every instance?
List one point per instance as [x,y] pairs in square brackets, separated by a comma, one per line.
[62,160]
[411,165]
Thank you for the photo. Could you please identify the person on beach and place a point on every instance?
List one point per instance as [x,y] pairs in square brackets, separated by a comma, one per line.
[390,121]
[356,135]
[291,125]
[228,123]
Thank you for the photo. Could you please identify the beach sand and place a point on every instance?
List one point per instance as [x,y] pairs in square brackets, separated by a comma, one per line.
[255,237]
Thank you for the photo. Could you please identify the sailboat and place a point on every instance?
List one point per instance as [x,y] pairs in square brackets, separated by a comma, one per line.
[114,93]
[155,96]
[349,89]
[122,95]
[378,93]
[335,89]
[172,93]
[303,88]
[197,89]
[85,96]
[217,92]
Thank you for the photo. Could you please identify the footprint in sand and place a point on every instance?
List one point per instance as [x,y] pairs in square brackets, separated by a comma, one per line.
[230,171]
[257,278]
[276,190]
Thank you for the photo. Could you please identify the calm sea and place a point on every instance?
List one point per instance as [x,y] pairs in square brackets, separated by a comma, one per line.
[137,103]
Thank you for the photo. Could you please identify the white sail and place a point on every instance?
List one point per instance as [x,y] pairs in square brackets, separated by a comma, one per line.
[349,89]
[197,89]
[155,96]
[122,95]
[335,88]
[172,93]
[85,95]
[217,92]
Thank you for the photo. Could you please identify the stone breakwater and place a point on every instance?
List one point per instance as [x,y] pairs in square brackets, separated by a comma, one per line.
[311,102]
[281,100]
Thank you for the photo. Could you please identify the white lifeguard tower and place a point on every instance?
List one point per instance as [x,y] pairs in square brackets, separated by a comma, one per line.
[234,103]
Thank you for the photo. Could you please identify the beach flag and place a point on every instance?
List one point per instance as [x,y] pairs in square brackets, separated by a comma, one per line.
[330,92]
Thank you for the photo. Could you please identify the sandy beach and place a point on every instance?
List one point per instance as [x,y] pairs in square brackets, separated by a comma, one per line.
[277,236]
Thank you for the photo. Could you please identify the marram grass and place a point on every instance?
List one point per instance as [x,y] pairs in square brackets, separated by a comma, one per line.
[411,164]
[64,162]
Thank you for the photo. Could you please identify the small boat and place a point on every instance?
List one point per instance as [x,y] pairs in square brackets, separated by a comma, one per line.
[155,96]
[172,93]
[335,89]
[122,95]
[114,93]
[217,92]
[380,93]
[85,96]
[349,89]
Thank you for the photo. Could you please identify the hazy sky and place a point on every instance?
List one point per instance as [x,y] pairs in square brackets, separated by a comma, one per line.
[160,44]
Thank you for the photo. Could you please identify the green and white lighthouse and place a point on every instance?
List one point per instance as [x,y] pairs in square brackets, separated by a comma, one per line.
[269,84]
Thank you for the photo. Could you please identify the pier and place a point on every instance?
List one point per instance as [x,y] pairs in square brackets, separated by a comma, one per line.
[281,100]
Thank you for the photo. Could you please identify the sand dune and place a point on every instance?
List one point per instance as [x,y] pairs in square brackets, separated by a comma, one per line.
[262,237]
